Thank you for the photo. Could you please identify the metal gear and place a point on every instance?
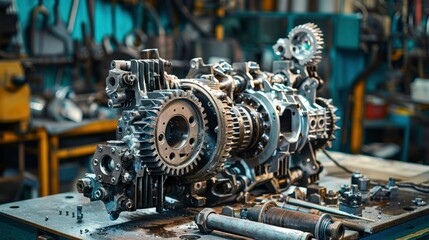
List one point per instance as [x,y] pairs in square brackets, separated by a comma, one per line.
[306,44]
[220,129]
[331,122]
[171,133]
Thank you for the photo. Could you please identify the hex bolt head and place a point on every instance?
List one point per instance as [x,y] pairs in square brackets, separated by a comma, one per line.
[201,219]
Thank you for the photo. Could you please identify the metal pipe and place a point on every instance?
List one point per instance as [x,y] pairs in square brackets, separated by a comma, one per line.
[322,227]
[208,220]
[302,203]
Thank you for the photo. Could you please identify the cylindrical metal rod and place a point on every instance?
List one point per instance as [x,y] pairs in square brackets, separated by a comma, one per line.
[322,227]
[208,220]
[302,203]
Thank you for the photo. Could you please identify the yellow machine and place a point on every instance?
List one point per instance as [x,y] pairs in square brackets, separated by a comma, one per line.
[14,95]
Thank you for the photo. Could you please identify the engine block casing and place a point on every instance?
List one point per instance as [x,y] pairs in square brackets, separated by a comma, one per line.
[215,136]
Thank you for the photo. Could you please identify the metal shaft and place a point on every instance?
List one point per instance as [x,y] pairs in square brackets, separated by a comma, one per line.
[322,227]
[208,220]
[301,203]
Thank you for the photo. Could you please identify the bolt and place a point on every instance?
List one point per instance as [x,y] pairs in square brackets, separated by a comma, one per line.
[100,149]
[46,218]
[95,161]
[112,150]
[118,167]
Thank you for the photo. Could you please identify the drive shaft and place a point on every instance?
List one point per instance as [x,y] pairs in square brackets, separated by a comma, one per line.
[208,220]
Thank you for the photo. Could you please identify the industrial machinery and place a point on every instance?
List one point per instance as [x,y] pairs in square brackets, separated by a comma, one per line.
[14,95]
[215,136]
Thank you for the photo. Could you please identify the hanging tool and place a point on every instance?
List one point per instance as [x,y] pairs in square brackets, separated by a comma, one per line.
[301,203]
[136,38]
[59,29]
[44,42]
[72,16]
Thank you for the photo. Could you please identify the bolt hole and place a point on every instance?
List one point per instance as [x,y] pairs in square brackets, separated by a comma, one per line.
[192,141]
[172,156]
[160,137]
[191,119]
[112,81]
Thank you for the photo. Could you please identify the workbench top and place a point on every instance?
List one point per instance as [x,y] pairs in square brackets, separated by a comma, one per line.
[55,215]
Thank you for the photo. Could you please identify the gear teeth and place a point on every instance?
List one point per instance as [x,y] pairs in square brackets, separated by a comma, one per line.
[314,32]
[144,132]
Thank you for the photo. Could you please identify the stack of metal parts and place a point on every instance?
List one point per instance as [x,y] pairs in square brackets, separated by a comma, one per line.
[215,136]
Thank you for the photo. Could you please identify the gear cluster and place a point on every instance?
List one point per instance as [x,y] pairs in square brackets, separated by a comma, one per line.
[220,133]
[304,44]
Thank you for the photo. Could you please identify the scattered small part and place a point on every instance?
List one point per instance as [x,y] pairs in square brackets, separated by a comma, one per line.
[67,213]
[418,202]
[390,191]
[61,212]
[81,231]
[351,201]
[319,193]
[364,188]
[72,214]
[356,175]
[79,214]
[86,230]
[46,218]
[331,198]
[305,204]
[208,220]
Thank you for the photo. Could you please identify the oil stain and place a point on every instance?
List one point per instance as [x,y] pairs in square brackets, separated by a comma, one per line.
[160,231]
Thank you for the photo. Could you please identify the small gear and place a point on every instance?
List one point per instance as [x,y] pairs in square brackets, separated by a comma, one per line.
[306,44]
[332,120]
[168,142]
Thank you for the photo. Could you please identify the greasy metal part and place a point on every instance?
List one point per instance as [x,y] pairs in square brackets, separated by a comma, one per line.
[351,201]
[208,220]
[389,191]
[322,227]
[305,204]
[215,136]
[331,198]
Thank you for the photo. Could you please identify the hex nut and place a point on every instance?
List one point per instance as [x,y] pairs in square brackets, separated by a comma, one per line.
[201,219]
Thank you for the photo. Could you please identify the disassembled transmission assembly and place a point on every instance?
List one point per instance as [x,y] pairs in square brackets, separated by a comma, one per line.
[213,137]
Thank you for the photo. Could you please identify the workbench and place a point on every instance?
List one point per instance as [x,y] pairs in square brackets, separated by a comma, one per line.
[54,216]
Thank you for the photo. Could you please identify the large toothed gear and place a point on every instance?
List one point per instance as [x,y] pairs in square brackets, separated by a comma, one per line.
[306,44]
[173,131]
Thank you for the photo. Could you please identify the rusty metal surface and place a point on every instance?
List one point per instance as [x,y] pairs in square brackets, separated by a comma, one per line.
[44,213]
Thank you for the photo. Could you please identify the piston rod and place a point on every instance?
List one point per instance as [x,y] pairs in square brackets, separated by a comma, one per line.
[208,220]
[322,227]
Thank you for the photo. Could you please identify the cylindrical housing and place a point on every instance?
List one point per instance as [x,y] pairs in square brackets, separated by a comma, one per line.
[247,228]
[321,226]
